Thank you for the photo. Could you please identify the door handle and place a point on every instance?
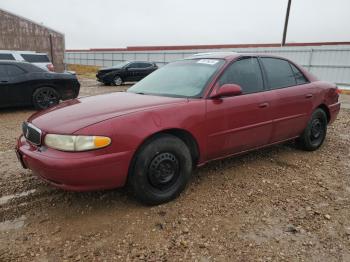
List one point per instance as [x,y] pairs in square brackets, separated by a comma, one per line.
[264,105]
[3,81]
[308,96]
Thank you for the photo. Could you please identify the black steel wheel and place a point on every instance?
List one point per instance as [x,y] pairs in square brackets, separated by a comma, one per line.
[163,170]
[315,133]
[160,170]
[45,97]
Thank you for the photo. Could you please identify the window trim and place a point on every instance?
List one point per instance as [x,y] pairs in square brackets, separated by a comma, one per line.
[268,86]
[234,61]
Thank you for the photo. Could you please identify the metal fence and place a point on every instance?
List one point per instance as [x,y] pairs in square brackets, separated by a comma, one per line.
[330,63]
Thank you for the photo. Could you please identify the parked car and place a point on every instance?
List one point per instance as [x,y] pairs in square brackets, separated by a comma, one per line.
[125,72]
[24,84]
[183,115]
[39,59]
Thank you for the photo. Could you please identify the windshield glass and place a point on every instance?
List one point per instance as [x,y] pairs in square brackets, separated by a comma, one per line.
[185,78]
[120,65]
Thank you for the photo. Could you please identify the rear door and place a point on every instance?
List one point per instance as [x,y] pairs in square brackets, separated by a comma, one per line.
[290,95]
[239,123]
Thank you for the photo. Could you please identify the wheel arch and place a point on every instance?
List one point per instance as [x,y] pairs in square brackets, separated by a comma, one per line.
[47,85]
[326,110]
[182,134]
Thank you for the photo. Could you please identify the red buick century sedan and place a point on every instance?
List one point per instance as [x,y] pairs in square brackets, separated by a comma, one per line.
[187,113]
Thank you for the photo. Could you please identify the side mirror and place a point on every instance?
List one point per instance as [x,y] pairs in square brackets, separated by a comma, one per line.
[227,90]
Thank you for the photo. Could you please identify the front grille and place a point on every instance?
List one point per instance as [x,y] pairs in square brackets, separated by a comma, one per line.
[31,133]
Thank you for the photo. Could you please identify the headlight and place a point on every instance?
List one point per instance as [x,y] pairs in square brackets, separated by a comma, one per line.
[76,143]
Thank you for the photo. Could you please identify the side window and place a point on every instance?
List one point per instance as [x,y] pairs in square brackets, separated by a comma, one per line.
[6,57]
[13,70]
[144,65]
[279,73]
[299,77]
[246,73]
[35,58]
[133,65]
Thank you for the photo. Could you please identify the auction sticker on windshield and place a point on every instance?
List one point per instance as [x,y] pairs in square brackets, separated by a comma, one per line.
[207,61]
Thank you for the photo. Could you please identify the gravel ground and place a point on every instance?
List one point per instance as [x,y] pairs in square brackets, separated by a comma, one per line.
[276,204]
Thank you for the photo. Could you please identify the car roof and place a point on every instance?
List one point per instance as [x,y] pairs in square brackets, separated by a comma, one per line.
[228,55]
[218,55]
[148,62]
[13,62]
[21,52]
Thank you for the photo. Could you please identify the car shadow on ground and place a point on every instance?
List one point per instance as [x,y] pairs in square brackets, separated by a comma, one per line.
[18,109]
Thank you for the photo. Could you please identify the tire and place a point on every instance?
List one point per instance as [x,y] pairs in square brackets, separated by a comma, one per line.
[161,170]
[315,132]
[45,97]
[117,81]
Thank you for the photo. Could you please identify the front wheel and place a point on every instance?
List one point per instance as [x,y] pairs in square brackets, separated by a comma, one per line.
[315,133]
[117,81]
[161,170]
[45,97]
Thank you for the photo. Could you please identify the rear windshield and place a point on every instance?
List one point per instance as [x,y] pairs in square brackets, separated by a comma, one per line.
[6,57]
[33,58]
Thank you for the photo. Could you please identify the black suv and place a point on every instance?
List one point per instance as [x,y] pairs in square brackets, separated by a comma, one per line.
[125,72]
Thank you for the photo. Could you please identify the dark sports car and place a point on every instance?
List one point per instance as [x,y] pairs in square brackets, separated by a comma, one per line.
[125,72]
[24,84]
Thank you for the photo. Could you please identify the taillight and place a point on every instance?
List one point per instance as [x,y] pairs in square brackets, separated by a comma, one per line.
[50,67]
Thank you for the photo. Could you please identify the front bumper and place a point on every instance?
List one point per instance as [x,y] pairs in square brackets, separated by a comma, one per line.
[334,111]
[75,171]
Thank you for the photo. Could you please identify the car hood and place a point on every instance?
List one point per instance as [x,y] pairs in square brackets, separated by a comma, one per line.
[72,115]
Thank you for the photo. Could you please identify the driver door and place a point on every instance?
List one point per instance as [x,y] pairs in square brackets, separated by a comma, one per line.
[239,123]
[12,88]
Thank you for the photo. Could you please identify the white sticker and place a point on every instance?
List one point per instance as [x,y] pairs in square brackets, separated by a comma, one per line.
[208,61]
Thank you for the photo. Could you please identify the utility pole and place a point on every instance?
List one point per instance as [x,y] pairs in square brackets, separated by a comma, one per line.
[286,23]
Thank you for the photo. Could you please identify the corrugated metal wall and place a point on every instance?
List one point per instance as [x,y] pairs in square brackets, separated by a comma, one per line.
[19,33]
[330,63]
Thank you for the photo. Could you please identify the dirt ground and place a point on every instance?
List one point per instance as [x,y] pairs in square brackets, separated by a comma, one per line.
[276,204]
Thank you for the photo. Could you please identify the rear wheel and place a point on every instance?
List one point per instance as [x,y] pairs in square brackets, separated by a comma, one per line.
[45,97]
[315,133]
[161,170]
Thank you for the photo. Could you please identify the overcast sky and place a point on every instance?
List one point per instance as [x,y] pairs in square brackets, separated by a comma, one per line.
[121,23]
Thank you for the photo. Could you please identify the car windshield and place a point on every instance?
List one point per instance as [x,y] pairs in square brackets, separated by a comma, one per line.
[185,78]
[120,65]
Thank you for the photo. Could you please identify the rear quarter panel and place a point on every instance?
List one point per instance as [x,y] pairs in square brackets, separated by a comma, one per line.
[325,93]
